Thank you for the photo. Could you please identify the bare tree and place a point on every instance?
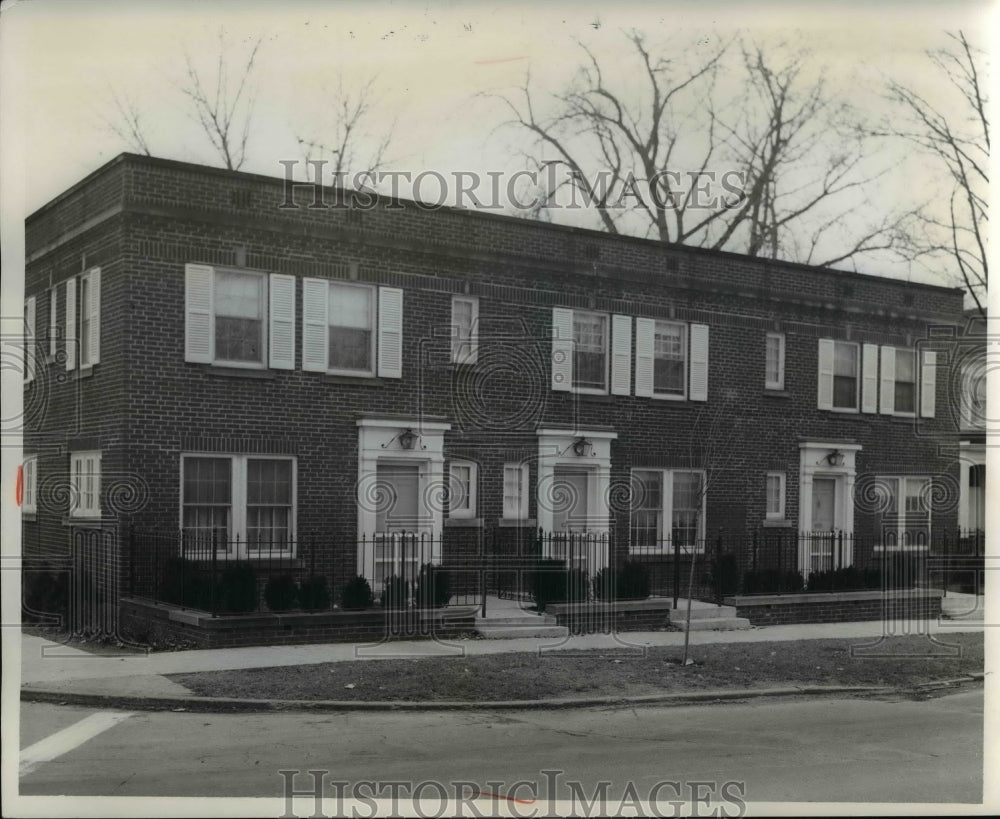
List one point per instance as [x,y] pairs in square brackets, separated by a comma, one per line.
[345,140]
[223,106]
[960,142]
[803,164]
[126,121]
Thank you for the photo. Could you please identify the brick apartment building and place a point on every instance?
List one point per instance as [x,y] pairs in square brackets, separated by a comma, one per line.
[215,352]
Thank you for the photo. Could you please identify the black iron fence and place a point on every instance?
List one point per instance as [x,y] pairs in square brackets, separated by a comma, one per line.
[460,567]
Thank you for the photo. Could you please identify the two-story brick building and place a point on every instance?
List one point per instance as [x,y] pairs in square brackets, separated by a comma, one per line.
[225,352]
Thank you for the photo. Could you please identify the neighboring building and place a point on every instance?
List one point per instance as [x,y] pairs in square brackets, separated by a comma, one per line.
[211,357]
[970,369]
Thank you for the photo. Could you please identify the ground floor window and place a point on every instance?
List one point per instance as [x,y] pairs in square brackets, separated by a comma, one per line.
[85,485]
[244,503]
[667,509]
[904,518]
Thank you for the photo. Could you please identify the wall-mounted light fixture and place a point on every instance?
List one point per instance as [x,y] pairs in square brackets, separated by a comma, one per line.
[835,458]
[581,446]
[407,440]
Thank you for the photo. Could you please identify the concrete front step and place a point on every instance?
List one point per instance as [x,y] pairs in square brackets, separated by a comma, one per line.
[962,607]
[512,632]
[713,624]
[702,612]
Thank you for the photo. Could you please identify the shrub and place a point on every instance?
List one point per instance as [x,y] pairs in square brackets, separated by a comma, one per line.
[357,594]
[396,593]
[633,581]
[725,575]
[314,594]
[237,589]
[552,582]
[185,584]
[281,592]
[45,594]
[606,584]
[433,586]
[848,578]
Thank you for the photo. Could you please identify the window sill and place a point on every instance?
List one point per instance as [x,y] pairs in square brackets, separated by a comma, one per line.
[663,396]
[516,523]
[776,523]
[359,380]
[463,523]
[771,393]
[83,523]
[238,372]
[29,517]
[84,372]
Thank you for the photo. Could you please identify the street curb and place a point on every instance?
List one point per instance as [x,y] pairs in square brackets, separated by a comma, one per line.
[236,705]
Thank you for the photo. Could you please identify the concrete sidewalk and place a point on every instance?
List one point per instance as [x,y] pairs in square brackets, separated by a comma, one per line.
[47,666]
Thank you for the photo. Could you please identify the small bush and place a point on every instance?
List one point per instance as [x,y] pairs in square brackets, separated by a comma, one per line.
[848,578]
[552,582]
[433,586]
[185,584]
[633,581]
[45,595]
[357,594]
[237,590]
[396,593]
[725,575]
[606,585]
[281,592]
[314,594]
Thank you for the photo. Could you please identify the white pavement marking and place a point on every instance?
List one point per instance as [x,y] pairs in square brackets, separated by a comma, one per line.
[67,739]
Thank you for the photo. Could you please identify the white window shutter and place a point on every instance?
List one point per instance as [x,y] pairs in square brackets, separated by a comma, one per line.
[621,355]
[315,324]
[281,325]
[644,331]
[698,388]
[562,349]
[29,339]
[199,319]
[824,375]
[70,324]
[93,309]
[53,320]
[928,383]
[888,388]
[869,378]
[390,332]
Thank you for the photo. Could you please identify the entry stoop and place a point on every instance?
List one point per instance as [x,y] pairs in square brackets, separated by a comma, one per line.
[707,617]
[507,620]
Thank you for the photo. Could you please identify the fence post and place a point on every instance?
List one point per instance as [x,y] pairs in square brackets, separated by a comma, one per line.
[718,563]
[946,561]
[677,570]
[755,551]
[212,583]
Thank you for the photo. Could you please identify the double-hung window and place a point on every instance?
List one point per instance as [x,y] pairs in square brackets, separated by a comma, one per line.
[775,490]
[244,504]
[352,329]
[590,353]
[85,485]
[668,510]
[515,491]
[462,489]
[774,361]
[464,329]
[845,375]
[669,359]
[904,512]
[28,347]
[239,318]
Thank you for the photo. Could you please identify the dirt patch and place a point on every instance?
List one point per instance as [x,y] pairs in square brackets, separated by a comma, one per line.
[897,662]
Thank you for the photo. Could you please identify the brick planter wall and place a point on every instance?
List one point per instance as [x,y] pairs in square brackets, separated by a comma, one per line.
[153,623]
[837,607]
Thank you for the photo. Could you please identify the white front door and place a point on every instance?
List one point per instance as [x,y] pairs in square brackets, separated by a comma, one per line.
[570,489]
[824,504]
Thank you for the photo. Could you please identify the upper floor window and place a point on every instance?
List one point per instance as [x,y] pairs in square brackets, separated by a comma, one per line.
[905,387]
[972,395]
[352,329]
[590,352]
[774,362]
[85,485]
[351,341]
[83,320]
[239,318]
[462,489]
[464,329]
[669,358]
[838,375]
